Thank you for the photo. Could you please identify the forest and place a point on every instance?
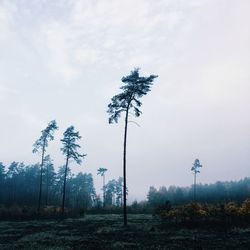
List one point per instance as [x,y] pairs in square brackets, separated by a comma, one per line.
[19,188]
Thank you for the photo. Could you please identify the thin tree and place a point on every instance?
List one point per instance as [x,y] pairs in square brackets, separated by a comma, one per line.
[49,168]
[195,168]
[69,149]
[2,182]
[127,101]
[40,146]
[101,171]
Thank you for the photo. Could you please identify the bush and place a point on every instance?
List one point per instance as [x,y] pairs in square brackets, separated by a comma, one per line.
[229,213]
[28,213]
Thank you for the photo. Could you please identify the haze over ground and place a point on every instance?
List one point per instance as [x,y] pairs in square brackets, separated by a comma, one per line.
[64,60]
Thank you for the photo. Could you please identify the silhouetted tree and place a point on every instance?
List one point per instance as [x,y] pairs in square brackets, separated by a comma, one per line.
[69,149]
[102,171]
[195,169]
[40,146]
[134,88]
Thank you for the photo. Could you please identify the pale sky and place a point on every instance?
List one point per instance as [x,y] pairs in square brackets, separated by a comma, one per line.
[64,60]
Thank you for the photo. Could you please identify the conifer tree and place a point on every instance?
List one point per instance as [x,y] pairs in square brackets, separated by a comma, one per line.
[195,169]
[69,149]
[102,171]
[134,87]
[40,146]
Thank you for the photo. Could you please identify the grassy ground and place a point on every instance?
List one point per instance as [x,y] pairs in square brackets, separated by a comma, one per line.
[106,232]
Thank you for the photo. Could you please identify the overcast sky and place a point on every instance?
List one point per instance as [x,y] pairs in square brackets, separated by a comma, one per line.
[64,60]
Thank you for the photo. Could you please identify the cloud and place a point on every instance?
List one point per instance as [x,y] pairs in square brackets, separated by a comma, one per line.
[7,12]
[6,92]
[58,40]
[110,33]
[3,19]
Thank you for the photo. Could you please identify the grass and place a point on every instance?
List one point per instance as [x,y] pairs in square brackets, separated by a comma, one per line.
[107,232]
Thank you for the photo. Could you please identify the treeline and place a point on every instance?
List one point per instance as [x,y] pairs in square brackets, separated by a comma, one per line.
[19,185]
[226,191]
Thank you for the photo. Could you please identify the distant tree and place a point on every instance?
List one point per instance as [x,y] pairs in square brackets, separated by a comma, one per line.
[50,174]
[14,175]
[157,197]
[69,149]
[31,179]
[40,146]
[110,189]
[134,88]
[152,196]
[82,188]
[118,191]
[59,179]
[2,180]
[88,190]
[101,171]
[179,195]
[195,168]
[98,202]
[2,172]
[171,193]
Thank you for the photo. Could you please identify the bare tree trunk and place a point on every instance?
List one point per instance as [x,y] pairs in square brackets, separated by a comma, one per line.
[47,186]
[124,171]
[103,190]
[64,185]
[41,179]
[194,187]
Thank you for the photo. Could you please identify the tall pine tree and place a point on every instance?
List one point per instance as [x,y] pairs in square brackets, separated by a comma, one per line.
[127,101]
[40,146]
[69,149]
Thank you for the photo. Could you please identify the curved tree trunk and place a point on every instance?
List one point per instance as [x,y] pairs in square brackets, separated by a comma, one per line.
[64,185]
[124,171]
[41,180]
[104,190]
[47,186]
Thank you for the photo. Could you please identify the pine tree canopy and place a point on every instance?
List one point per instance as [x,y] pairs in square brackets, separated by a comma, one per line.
[70,146]
[134,87]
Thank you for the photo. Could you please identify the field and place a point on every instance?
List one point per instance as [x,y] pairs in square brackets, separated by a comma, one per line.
[107,232]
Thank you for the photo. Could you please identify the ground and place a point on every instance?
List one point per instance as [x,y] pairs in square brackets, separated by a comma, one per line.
[106,232]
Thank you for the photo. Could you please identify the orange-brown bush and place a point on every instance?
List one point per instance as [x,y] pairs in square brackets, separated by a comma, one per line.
[229,213]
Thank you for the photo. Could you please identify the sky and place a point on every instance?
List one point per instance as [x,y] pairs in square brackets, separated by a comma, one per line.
[64,60]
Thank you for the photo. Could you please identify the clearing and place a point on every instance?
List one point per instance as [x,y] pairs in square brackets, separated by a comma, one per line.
[106,232]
